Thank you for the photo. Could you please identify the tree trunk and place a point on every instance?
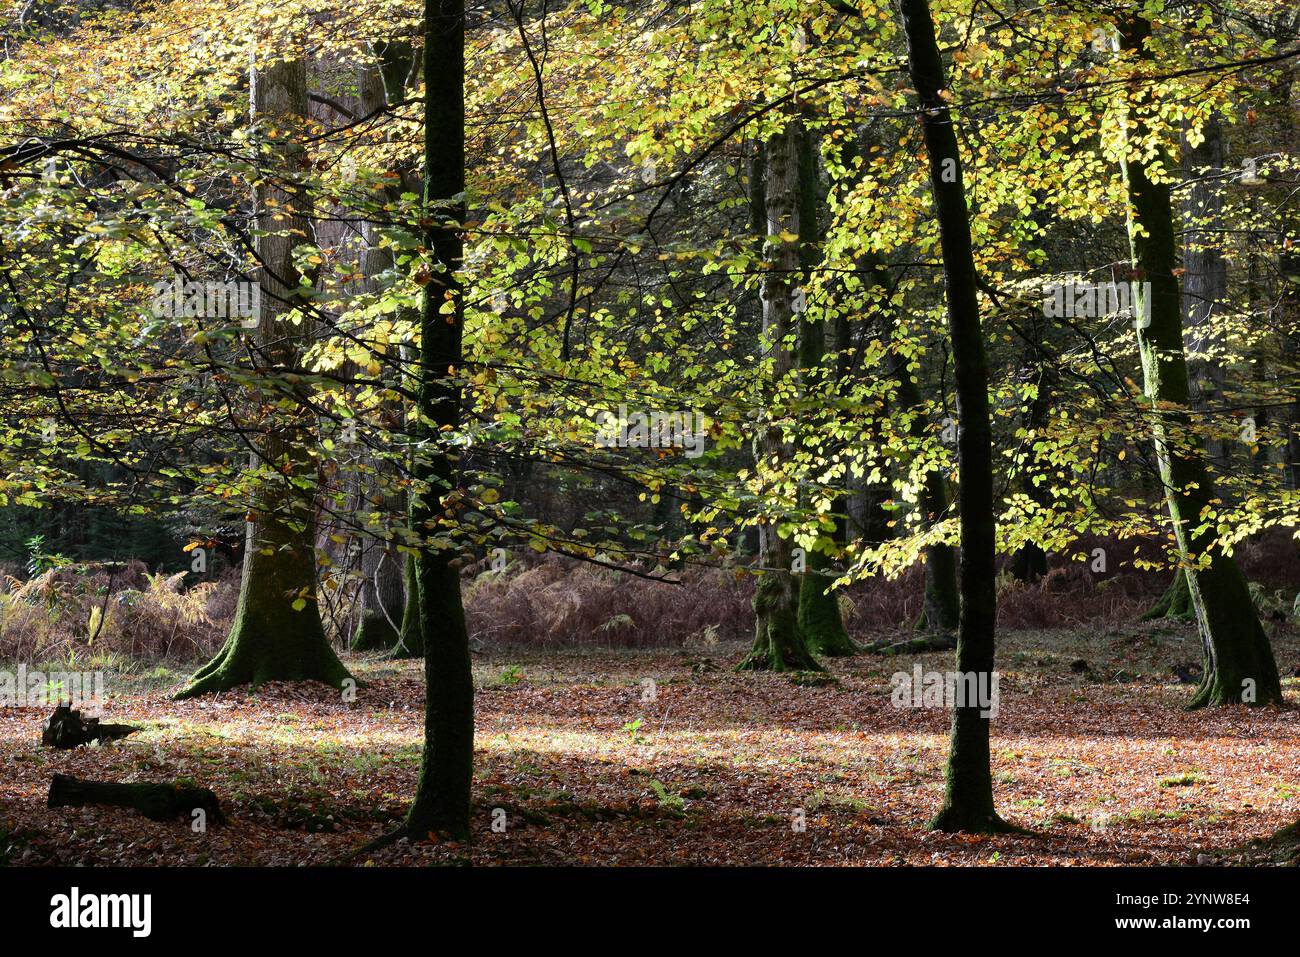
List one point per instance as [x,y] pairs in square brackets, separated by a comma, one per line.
[277,633]
[778,643]
[442,797]
[1176,602]
[383,599]
[410,639]
[819,618]
[382,605]
[1205,275]
[1239,665]
[968,801]
[941,610]
[941,607]
[1029,563]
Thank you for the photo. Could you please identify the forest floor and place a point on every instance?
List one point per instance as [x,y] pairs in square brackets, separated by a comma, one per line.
[668,757]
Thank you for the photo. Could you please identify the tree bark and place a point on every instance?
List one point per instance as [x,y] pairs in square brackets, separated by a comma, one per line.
[1029,563]
[1205,274]
[271,639]
[1176,602]
[383,598]
[968,800]
[383,601]
[941,610]
[778,643]
[1239,665]
[442,797]
[819,618]
[410,639]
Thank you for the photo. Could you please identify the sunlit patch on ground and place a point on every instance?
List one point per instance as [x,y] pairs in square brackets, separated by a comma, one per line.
[650,758]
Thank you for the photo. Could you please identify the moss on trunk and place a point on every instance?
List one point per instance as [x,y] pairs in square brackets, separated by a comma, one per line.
[778,644]
[1176,602]
[968,781]
[410,642]
[1239,664]
[443,791]
[277,633]
[819,618]
[270,640]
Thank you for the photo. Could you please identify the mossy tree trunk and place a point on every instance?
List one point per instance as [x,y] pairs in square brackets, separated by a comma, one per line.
[442,797]
[778,643]
[410,639]
[1176,602]
[968,800]
[277,633]
[1239,664]
[819,618]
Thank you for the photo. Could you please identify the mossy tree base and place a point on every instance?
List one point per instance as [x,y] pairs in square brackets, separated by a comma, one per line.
[968,806]
[953,820]
[1176,602]
[247,661]
[819,619]
[270,640]
[375,633]
[778,644]
[1240,668]
[1239,663]
[442,794]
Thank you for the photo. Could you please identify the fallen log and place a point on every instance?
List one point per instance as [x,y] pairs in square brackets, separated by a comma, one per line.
[67,729]
[158,802]
[914,646]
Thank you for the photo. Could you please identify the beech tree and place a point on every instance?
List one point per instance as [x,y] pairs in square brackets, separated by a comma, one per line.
[277,633]
[779,643]
[968,798]
[1239,664]
[384,602]
[442,796]
[819,618]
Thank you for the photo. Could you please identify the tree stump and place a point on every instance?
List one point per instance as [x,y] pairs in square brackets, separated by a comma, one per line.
[67,729]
